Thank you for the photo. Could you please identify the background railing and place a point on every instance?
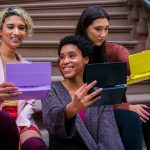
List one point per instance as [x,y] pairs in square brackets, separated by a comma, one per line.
[147,3]
[139,17]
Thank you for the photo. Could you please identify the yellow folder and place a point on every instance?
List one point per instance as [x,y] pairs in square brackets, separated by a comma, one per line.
[139,67]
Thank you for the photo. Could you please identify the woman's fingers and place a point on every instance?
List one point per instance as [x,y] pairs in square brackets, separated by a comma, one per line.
[91,98]
[82,87]
[7,89]
[86,87]
[89,86]
[6,84]
[91,101]
[143,113]
[7,96]
[94,94]
[144,106]
[140,109]
[142,120]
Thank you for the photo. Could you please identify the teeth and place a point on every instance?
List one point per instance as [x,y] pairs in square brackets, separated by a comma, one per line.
[67,68]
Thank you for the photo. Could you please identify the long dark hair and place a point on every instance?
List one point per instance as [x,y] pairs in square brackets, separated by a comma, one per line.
[86,19]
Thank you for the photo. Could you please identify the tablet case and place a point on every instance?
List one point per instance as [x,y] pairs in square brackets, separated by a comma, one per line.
[139,67]
[110,76]
[32,79]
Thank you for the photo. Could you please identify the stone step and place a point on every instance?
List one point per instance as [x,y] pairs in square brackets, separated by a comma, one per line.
[141,88]
[75,6]
[139,98]
[49,48]
[39,1]
[55,33]
[55,19]
[47,51]
[22,1]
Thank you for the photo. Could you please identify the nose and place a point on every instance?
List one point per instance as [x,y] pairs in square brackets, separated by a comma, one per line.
[103,33]
[16,31]
[66,60]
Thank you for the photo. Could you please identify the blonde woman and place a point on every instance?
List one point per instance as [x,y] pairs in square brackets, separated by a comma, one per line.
[15,25]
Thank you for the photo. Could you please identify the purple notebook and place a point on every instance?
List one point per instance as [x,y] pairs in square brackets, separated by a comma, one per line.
[32,79]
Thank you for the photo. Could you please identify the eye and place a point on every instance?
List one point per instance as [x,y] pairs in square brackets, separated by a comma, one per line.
[22,27]
[72,56]
[98,29]
[10,26]
[61,57]
[106,29]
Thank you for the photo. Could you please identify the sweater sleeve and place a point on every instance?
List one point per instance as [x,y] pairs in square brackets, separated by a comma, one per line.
[117,53]
[122,55]
[122,106]
[54,117]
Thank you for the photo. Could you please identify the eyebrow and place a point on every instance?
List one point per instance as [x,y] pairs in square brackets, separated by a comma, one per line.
[13,24]
[102,26]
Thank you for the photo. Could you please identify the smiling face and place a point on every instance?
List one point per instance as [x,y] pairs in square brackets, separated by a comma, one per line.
[97,32]
[13,32]
[71,61]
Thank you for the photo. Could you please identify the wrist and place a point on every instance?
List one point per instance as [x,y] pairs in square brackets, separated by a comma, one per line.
[70,110]
[131,107]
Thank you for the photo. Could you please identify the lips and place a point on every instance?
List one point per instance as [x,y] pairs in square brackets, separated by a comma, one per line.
[15,39]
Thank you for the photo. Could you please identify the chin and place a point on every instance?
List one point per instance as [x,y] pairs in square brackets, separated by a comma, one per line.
[98,44]
[14,46]
[69,76]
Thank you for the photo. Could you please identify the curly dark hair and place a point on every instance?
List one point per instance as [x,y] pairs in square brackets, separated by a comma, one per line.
[83,44]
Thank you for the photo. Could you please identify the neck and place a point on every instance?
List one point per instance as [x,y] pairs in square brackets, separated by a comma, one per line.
[73,84]
[7,55]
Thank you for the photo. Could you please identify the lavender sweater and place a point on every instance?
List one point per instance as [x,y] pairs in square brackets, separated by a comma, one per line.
[98,132]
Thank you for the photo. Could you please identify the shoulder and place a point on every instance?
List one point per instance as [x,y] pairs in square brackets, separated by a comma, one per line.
[56,85]
[116,52]
[115,46]
[57,88]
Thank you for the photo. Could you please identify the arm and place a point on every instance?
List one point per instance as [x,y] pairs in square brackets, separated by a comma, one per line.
[54,116]
[138,108]
[62,117]
[122,55]
[82,100]
[117,53]
[122,106]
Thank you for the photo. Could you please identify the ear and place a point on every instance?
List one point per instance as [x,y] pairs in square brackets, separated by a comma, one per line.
[86,59]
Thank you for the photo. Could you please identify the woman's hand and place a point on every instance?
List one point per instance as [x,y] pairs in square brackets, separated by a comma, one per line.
[140,109]
[82,99]
[5,91]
